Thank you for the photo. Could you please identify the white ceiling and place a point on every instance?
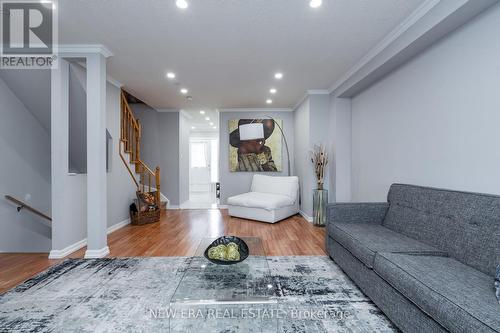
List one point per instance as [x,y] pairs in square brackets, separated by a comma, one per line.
[226,51]
[199,123]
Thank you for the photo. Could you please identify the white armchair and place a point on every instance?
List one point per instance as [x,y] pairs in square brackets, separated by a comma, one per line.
[271,199]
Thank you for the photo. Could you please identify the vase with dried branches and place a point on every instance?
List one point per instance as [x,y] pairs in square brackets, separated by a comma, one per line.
[319,159]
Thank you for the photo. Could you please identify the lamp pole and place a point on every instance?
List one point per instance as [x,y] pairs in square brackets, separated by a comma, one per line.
[286,143]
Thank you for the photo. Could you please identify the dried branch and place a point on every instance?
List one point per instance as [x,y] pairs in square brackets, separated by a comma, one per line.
[319,159]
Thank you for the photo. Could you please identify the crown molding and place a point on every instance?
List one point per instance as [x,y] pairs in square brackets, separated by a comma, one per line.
[114,82]
[414,17]
[167,110]
[318,92]
[255,110]
[82,50]
[429,23]
[308,93]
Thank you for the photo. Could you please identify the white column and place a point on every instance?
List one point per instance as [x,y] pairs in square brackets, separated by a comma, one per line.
[97,245]
[59,154]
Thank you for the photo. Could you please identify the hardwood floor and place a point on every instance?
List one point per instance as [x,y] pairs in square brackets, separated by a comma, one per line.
[178,234]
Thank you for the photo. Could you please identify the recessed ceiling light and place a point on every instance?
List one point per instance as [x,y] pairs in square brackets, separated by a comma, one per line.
[171,75]
[211,124]
[269,101]
[214,127]
[315,3]
[184,91]
[278,76]
[182,4]
[273,91]
[202,112]
[192,127]
[207,118]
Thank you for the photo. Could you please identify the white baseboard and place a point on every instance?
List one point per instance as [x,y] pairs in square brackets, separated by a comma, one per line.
[59,254]
[119,225]
[306,217]
[173,207]
[94,254]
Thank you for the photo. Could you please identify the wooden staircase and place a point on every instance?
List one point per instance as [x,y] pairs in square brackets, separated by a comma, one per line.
[146,180]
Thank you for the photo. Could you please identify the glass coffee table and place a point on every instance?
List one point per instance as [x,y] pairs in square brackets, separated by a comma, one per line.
[205,283]
[219,298]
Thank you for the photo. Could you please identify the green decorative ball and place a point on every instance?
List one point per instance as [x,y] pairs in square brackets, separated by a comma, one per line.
[229,252]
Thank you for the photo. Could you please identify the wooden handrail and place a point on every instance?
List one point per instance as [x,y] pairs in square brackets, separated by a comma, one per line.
[130,136]
[22,205]
[128,168]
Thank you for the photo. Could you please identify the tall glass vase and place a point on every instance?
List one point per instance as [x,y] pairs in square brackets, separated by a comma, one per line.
[320,201]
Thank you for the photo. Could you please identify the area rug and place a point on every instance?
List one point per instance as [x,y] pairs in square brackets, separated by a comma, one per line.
[133,295]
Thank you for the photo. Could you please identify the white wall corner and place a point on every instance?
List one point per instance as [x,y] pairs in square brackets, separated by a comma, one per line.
[306,217]
[59,254]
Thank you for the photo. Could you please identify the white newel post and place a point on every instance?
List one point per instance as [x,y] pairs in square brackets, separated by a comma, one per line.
[97,245]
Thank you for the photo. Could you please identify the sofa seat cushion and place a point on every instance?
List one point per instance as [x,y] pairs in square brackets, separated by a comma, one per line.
[268,201]
[458,297]
[364,240]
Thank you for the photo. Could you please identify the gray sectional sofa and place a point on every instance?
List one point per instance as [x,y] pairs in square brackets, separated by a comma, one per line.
[426,258]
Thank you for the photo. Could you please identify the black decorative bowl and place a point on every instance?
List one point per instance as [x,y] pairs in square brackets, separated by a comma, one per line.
[242,247]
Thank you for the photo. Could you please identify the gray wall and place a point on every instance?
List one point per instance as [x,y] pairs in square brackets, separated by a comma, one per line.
[435,121]
[312,123]
[302,162]
[233,183]
[120,187]
[24,174]
[77,119]
[160,146]
[184,131]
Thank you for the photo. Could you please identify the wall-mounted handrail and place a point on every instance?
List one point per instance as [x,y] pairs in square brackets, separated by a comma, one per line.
[22,205]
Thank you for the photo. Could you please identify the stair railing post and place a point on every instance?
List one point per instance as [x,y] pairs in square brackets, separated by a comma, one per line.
[158,186]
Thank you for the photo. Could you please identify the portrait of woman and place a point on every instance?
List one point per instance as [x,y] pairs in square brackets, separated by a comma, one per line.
[255,145]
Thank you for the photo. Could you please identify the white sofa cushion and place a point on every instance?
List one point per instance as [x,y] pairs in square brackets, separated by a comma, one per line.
[268,201]
[288,186]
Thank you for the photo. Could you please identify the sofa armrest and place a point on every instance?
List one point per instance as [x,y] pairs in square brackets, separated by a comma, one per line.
[357,212]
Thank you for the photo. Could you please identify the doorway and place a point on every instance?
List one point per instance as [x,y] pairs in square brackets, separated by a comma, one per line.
[200,155]
[203,172]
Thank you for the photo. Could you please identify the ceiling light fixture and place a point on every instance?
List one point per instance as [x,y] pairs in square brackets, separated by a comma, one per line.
[171,75]
[182,4]
[315,3]
[192,127]
[211,124]
[184,91]
[273,91]
[278,76]
[202,112]
[207,118]
[269,101]
[214,127]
